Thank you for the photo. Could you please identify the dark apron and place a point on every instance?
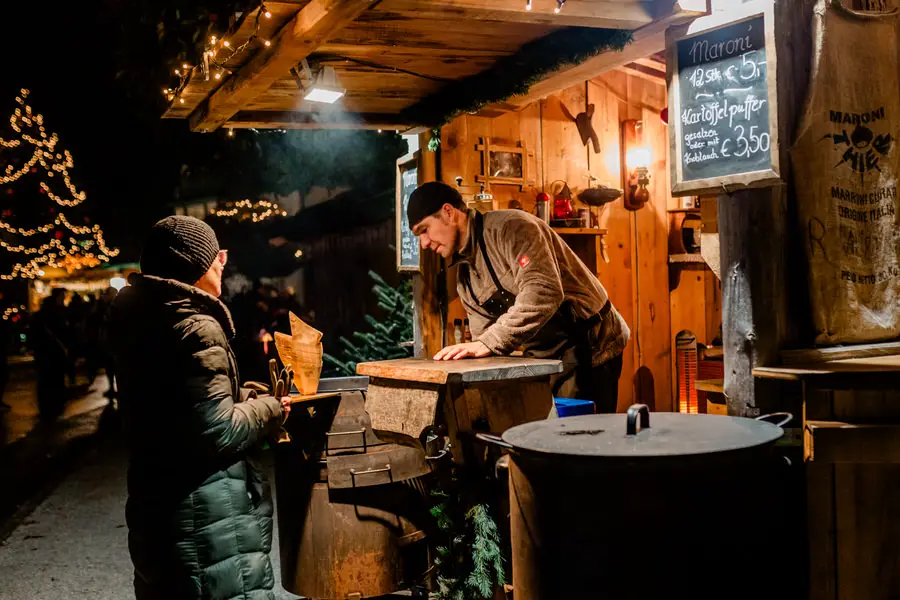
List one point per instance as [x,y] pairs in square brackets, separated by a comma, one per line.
[564,337]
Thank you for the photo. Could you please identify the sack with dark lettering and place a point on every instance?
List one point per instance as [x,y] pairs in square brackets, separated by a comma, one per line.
[845,170]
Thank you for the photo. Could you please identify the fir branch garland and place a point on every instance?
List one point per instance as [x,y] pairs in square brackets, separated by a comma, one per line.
[514,75]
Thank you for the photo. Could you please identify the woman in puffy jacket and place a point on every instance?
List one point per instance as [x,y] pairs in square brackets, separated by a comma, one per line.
[199,513]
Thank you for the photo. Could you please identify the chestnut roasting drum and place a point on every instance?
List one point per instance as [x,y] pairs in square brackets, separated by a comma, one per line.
[615,506]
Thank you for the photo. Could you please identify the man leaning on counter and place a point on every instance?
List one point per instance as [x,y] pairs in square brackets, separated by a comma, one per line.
[523,288]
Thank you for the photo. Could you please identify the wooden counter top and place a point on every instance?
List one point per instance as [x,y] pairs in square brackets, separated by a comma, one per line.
[495,368]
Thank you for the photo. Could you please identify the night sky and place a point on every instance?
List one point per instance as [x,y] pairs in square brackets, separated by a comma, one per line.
[125,159]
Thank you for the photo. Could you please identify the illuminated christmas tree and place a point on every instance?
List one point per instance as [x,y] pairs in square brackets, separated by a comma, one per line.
[33,170]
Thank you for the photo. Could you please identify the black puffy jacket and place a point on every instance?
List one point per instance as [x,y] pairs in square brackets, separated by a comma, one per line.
[199,513]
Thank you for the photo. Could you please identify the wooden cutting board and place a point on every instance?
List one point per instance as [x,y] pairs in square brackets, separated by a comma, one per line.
[298,398]
[477,370]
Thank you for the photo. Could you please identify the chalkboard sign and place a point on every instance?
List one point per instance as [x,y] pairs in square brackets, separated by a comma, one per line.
[407,244]
[724,126]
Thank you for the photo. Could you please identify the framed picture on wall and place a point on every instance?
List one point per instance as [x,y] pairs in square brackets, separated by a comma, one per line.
[502,163]
[407,244]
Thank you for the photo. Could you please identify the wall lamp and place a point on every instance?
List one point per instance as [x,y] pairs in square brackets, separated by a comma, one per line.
[637,163]
[324,88]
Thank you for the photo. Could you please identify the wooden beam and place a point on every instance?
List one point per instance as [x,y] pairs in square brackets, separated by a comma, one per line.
[314,25]
[648,40]
[647,73]
[270,119]
[762,284]
[575,13]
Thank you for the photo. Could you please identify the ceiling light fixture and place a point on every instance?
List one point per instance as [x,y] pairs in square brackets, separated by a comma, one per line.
[324,88]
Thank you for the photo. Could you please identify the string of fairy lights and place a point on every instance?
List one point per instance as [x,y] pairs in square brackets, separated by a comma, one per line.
[212,65]
[218,52]
[61,251]
[244,210]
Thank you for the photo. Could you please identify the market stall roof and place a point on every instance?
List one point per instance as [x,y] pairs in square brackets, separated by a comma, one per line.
[394,57]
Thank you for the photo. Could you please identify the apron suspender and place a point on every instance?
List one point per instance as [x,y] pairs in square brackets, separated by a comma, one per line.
[478,232]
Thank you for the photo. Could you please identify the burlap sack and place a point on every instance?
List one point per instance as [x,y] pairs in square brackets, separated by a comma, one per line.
[846,164]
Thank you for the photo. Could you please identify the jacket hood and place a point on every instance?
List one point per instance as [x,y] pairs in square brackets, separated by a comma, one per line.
[150,292]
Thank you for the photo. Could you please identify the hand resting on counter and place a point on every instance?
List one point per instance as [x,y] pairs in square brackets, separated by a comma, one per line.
[467,350]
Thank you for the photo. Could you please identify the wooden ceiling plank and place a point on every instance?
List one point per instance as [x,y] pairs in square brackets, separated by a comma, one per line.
[575,13]
[439,35]
[647,41]
[373,50]
[311,27]
[299,120]
[649,74]
[652,63]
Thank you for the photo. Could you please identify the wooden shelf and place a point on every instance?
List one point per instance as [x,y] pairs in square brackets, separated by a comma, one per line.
[579,231]
[830,353]
[692,211]
[713,352]
[686,259]
[716,386]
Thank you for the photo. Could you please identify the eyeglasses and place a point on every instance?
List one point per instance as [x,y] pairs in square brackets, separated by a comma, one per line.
[223,257]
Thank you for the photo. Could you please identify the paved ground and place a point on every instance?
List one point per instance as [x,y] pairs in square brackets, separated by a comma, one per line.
[74,544]
[67,538]
[21,396]
[35,457]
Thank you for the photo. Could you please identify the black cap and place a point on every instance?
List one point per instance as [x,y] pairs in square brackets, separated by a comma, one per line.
[428,199]
[179,248]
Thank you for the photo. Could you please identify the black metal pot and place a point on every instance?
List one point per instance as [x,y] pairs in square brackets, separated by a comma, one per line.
[682,508]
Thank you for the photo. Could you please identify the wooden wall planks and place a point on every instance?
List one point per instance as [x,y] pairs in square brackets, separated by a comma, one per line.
[617,275]
[637,243]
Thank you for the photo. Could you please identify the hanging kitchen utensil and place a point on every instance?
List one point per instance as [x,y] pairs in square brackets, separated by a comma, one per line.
[599,196]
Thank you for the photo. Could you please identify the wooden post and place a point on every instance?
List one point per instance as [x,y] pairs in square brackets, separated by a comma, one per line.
[764,290]
[427,285]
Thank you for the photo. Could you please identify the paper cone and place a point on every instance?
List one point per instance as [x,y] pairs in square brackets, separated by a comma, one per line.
[304,333]
[308,367]
[302,350]
[285,346]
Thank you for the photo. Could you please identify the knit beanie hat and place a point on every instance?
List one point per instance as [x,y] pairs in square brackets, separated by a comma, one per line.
[428,198]
[179,248]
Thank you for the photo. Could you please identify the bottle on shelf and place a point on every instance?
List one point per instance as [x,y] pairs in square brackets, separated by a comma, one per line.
[467,333]
[457,331]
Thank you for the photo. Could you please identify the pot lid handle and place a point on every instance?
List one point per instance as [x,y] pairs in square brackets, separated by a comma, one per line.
[785,417]
[495,440]
[633,411]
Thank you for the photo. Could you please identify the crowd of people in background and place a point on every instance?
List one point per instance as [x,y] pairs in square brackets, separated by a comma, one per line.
[69,335]
[258,313]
